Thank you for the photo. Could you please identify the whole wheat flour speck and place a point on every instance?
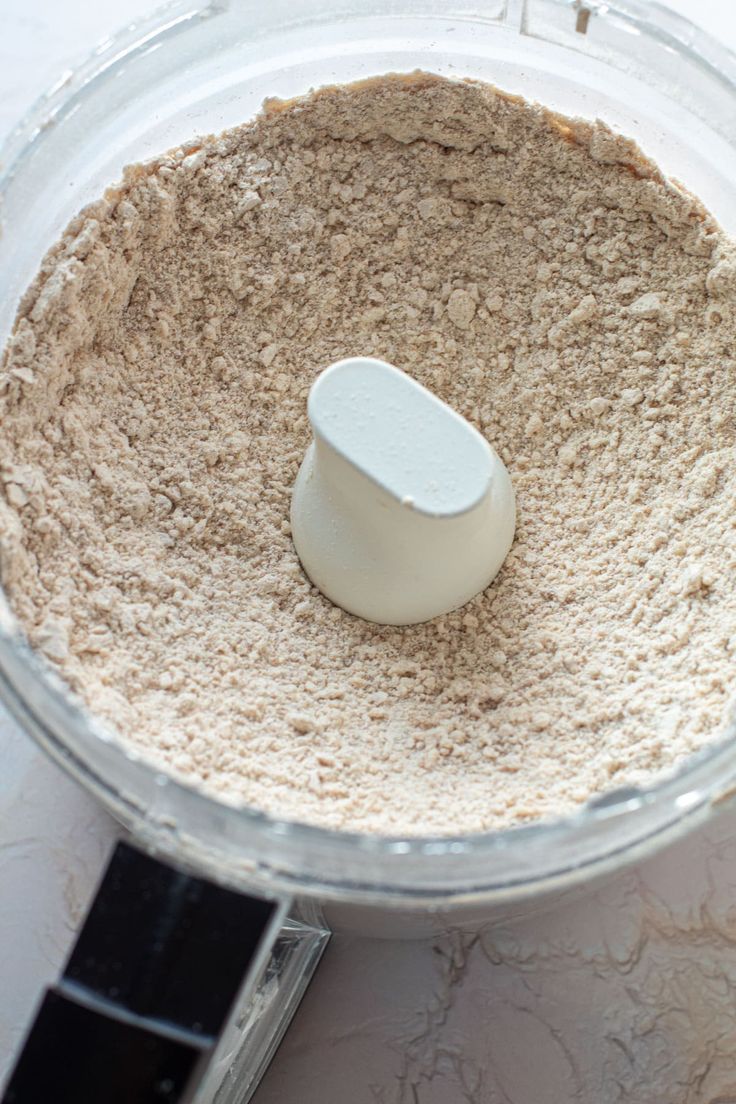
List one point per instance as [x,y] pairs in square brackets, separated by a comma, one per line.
[538,274]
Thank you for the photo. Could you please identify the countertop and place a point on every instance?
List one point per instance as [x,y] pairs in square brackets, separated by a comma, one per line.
[626,993]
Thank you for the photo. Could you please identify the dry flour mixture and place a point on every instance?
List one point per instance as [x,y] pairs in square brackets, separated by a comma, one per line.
[537,273]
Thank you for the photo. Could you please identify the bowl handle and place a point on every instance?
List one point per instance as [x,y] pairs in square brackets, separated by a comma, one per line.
[176,989]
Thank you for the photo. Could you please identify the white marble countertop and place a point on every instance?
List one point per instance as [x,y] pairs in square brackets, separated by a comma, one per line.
[626,994]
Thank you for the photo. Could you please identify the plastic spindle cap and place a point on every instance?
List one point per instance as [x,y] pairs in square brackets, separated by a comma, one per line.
[401,510]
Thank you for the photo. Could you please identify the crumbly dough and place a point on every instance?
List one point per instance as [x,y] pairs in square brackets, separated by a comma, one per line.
[537,273]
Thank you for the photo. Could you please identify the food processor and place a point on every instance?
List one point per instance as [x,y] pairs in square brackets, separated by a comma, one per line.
[195,69]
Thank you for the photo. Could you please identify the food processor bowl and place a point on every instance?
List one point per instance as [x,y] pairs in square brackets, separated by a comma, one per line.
[196,68]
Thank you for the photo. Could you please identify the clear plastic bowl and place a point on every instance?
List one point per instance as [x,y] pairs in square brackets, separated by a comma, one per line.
[196,68]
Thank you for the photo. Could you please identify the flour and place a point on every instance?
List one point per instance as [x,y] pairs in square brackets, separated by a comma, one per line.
[538,274]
